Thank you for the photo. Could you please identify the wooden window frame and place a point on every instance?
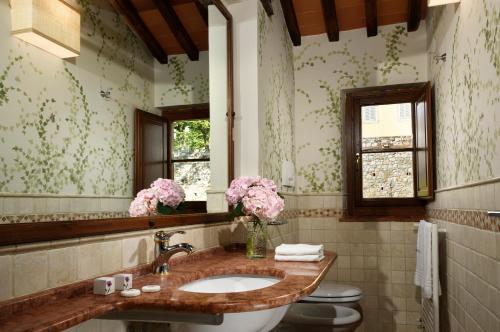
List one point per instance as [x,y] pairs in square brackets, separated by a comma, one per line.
[397,209]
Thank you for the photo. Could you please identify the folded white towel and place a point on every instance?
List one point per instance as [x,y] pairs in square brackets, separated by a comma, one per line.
[299,258]
[423,269]
[299,249]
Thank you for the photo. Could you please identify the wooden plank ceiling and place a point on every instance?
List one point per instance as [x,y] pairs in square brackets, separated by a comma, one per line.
[314,17]
[168,27]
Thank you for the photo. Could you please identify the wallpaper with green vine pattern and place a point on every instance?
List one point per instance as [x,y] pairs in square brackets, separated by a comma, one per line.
[276,93]
[181,81]
[466,89]
[322,70]
[58,134]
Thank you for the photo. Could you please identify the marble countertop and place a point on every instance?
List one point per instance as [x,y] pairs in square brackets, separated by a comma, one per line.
[59,309]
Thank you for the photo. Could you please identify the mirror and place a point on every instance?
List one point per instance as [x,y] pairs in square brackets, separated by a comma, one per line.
[188,141]
[67,129]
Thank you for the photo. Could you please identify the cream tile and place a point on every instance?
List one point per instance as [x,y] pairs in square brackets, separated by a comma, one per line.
[135,250]
[487,197]
[357,262]
[62,266]
[89,260]
[111,256]
[398,264]
[52,205]
[397,237]
[371,262]
[6,290]
[370,250]
[317,236]
[343,262]
[11,205]
[30,272]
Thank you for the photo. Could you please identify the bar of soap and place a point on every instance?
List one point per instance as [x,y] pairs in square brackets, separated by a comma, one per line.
[151,288]
[130,292]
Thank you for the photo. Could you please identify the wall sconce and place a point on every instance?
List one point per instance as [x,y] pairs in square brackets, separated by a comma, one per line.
[53,26]
[432,3]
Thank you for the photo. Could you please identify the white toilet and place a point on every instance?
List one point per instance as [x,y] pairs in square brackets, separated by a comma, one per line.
[331,307]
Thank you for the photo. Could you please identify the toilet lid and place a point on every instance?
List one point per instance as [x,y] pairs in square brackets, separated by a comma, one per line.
[333,290]
[321,314]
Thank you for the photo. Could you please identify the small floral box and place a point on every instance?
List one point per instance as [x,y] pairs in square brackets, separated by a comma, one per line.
[123,281]
[104,285]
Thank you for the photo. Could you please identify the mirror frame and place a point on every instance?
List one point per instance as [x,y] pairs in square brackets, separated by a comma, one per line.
[23,233]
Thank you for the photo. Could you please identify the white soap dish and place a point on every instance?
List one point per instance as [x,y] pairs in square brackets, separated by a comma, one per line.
[130,292]
[151,288]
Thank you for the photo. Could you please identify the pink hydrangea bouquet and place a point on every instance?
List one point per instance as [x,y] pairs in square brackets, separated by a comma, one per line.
[163,197]
[255,196]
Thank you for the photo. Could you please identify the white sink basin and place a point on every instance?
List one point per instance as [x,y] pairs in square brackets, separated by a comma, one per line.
[230,283]
[249,321]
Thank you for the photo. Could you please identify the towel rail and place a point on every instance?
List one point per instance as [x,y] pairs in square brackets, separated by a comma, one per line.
[494,213]
[440,230]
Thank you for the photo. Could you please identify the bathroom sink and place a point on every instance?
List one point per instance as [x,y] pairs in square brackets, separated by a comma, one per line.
[230,283]
[249,321]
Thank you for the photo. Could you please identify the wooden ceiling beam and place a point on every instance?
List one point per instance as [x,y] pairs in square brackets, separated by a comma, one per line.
[134,21]
[202,7]
[168,13]
[414,15]
[291,21]
[371,17]
[268,7]
[331,21]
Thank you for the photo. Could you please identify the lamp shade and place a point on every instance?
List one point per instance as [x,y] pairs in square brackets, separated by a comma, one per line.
[51,25]
[432,3]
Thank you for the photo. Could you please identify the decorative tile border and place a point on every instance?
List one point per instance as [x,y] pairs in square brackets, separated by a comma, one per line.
[312,213]
[31,218]
[473,218]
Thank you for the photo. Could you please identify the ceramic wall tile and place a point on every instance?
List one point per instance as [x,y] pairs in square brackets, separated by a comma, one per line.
[30,272]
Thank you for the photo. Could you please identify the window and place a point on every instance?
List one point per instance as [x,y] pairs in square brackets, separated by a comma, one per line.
[369,114]
[389,172]
[404,112]
[175,146]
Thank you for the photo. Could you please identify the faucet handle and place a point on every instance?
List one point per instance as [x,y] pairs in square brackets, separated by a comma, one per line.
[162,236]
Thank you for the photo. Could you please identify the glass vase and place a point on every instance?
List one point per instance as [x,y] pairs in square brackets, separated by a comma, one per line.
[256,238]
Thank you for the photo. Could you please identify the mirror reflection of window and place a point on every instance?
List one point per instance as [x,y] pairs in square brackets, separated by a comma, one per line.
[191,157]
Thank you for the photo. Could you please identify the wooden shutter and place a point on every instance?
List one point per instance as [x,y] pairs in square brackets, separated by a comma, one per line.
[424,175]
[150,149]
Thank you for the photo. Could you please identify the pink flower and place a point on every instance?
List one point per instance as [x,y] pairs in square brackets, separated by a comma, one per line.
[263,202]
[168,192]
[239,187]
[144,204]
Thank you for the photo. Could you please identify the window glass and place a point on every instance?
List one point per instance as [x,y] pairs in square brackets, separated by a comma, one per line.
[194,177]
[191,139]
[387,132]
[404,112]
[387,174]
[369,114]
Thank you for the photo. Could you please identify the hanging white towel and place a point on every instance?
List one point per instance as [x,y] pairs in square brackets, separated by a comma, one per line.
[299,249]
[299,258]
[423,270]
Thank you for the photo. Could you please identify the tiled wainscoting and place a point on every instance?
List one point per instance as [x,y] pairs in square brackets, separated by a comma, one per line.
[470,257]
[40,208]
[379,258]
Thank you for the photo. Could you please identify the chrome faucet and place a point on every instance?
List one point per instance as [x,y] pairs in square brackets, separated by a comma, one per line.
[163,250]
